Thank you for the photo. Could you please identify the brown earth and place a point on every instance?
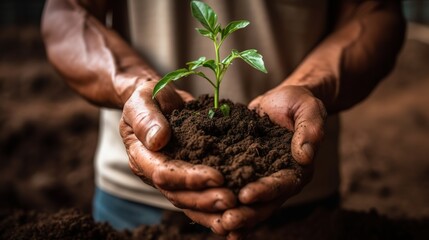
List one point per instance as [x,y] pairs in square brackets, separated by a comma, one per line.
[48,137]
[320,223]
[242,146]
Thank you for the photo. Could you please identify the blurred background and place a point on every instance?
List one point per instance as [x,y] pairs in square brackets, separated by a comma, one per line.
[48,134]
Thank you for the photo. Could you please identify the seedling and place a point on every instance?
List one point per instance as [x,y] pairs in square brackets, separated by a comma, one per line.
[214,31]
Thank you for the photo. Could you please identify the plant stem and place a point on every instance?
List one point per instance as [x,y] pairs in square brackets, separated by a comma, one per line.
[218,75]
[216,97]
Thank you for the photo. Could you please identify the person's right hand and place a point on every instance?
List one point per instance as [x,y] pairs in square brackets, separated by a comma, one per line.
[145,130]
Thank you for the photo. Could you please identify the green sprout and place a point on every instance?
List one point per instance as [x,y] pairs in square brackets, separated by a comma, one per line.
[214,31]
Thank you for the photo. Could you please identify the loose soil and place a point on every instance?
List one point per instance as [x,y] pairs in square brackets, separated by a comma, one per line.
[242,146]
[318,223]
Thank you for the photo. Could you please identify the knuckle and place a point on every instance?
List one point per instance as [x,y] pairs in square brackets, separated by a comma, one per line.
[159,175]
[319,106]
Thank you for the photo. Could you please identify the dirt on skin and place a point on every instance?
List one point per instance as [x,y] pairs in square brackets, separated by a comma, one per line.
[242,146]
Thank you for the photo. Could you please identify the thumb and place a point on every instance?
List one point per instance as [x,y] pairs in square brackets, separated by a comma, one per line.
[309,131]
[255,104]
[146,120]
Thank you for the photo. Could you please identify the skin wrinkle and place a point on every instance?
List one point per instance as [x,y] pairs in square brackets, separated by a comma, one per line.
[131,149]
[324,90]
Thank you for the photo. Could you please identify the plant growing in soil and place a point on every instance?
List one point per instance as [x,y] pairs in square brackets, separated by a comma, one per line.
[217,34]
[241,145]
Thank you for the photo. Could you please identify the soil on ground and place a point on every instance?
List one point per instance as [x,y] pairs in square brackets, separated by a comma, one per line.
[317,223]
[242,146]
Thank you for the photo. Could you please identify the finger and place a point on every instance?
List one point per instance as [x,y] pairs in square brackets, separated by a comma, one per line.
[309,131]
[254,104]
[246,216]
[211,200]
[142,161]
[169,98]
[209,220]
[148,123]
[176,174]
[273,105]
[282,183]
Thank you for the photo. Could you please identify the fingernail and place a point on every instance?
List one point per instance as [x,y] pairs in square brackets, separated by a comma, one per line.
[308,150]
[151,134]
[220,205]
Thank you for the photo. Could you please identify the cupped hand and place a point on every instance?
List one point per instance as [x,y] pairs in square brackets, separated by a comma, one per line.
[295,108]
[145,130]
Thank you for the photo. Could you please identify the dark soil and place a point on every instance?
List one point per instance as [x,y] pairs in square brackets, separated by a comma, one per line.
[319,223]
[40,117]
[65,224]
[74,224]
[242,146]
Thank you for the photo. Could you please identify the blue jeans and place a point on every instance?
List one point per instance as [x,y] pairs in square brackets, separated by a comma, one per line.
[123,214]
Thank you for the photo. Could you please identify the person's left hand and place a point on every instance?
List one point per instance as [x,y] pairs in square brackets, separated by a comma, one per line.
[297,109]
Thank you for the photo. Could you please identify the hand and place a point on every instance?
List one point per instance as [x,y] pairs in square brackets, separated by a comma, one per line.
[145,130]
[298,110]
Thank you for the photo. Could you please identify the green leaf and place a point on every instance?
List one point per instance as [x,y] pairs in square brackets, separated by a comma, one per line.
[172,76]
[225,109]
[232,27]
[205,32]
[202,62]
[233,55]
[217,29]
[205,15]
[210,64]
[211,113]
[254,59]
[195,64]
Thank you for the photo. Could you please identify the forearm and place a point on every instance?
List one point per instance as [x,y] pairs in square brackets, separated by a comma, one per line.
[361,50]
[93,59]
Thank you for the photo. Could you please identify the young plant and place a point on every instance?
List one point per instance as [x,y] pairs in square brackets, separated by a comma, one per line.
[214,31]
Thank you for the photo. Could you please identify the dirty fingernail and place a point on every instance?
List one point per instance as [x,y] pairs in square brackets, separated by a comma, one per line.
[308,150]
[151,134]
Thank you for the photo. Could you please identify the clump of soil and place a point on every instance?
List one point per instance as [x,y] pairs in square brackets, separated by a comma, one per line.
[242,146]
